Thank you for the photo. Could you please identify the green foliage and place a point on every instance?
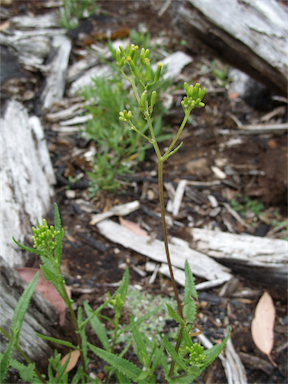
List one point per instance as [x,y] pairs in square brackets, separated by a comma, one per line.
[118,147]
[242,205]
[74,10]
[220,72]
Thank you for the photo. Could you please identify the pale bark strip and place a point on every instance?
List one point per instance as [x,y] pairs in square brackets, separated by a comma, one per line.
[201,265]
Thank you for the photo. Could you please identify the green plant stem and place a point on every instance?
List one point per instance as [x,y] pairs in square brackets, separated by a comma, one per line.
[187,113]
[79,339]
[178,343]
[165,236]
[25,357]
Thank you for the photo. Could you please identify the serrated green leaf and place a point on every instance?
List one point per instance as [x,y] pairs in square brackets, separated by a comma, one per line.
[122,290]
[189,311]
[141,347]
[78,375]
[98,328]
[189,289]
[22,305]
[158,355]
[62,369]
[6,358]
[215,351]
[122,365]
[83,335]
[57,219]
[174,354]
[57,341]
[50,275]
[59,237]
[175,316]
[122,379]
[32,250]
[27,373]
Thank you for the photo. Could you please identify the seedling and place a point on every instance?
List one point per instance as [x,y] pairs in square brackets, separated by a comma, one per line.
[74,10]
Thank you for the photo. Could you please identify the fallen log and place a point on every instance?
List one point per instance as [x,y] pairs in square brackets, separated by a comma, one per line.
[26,176]
[256,257]
[250,35]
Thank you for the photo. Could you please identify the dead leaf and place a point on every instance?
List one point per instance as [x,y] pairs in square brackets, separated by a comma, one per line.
[73,360]
[133,227]
[5,25]
[47,289]
[272,144]
[263,324]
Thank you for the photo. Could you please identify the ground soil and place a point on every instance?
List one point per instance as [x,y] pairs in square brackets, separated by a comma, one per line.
[93,261]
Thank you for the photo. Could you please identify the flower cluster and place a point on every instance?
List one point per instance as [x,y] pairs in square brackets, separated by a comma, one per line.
[44,237]
[194,97]
[196,356]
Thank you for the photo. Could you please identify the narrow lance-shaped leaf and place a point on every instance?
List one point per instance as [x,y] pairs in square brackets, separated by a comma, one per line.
[122,365]
[141,347]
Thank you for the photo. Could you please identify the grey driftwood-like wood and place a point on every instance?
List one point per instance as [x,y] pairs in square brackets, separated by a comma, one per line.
[255,256]
[55,72]
[41,317]
[200,264]
[249,34]
[26,175]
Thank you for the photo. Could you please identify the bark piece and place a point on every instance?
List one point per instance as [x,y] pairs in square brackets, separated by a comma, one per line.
[48,20]
[56,71]
[251,35]
[26,176]
[256,256]
[201,265]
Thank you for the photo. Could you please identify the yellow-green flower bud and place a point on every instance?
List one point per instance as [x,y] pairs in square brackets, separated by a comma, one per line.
[122,51]
[186,86]
[153,98]
[132,66]
[134,53]
[146,53]
[143,100]
[158,72]
[148,70]
[202,93]
[128,50]
[142,56]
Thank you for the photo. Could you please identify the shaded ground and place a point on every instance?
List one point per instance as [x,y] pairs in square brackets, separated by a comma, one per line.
[259,163]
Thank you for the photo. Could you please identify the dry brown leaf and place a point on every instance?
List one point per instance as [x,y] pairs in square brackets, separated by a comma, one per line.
[47,289]
[5,25]
[263,324]
[133,227]
[73,360]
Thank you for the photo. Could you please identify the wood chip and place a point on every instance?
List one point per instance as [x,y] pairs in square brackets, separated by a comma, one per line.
[118,210]
[200,264]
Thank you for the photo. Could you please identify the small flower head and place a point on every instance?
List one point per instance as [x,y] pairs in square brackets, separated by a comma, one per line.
[196,356]
[44,237]
[125,116]
[194,97]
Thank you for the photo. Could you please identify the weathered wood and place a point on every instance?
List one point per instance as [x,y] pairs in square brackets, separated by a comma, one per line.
[200,264]
[41,317]
[250,254]
[251,35]
[56,71]
[26,176]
